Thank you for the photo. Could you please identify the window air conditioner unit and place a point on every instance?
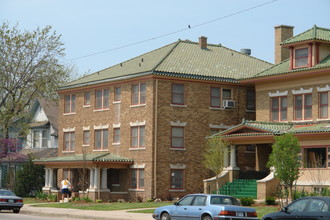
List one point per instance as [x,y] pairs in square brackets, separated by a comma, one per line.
[228,104]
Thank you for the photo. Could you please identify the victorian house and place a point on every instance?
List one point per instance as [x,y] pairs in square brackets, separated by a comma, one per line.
[138,128]
[291,97]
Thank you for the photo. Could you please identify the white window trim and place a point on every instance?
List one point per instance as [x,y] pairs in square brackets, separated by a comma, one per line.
[133,124]
[138,166]
[98,127]
[323,89]
[302,91]
[116,125]
[69,129]
[277,93]
[86,128]
[178,166]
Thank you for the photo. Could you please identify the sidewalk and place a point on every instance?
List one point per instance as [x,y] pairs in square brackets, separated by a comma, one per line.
[84,214]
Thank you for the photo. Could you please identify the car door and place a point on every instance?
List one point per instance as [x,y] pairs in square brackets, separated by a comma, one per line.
[197,207]
[182,208]
[316,209]
[294,210]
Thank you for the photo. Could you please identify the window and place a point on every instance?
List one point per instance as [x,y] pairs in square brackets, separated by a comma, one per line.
[251,100]
[137,137]
[187,200]
[87,99]
[301,57]
[200,201]
[315,157]
[101,139]
[102,99]
[117,94]
[137,179]
[69,141]
[40,138]
[323,105]
[86,137]
[279,108]
[178,94]
[176,179]
[303,107]
[69,103]
[139,94]
[116,135]
[218,95]
[177,137]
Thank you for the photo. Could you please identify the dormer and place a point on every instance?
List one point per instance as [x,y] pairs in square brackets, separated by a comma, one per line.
[308,48]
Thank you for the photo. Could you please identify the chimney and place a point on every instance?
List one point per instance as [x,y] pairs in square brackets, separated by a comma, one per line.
[203,42]
[246,51]
[282,32]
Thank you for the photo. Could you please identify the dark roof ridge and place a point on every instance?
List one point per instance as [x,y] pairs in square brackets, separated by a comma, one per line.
[314,28]
[162,60]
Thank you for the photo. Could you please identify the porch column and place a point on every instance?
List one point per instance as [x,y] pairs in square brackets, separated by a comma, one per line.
[104,178]
[225,159]
[233,163]
[91,178]
[51,177]
[46,177]
[96,177]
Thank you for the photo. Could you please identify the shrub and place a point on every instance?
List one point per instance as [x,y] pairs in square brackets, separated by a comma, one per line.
[98,201]
[270,200]
[247,201]
[41,195]
[150,200]
[52,198]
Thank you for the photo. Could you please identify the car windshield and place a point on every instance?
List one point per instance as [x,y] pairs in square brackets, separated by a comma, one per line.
[221,200]
[6,193]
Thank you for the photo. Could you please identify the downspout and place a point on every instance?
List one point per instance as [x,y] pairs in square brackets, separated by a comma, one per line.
[155,139]
[99,182]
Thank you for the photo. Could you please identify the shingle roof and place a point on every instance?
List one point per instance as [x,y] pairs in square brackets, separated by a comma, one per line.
[315,33]
[100,157]
[181,59]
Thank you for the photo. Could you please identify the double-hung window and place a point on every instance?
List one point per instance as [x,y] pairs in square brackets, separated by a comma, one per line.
[69,103]
[137,180]
[139,94]
[178,94]
[303,107]
[40,138]
[116,135]
[301,57]
[177,176]
[323,105]
[69,141]
[101,139]
[177,137]
[102,99]
[218,95]
[87,99]
[117,94]
[137,136]
[279,108]
[86,135]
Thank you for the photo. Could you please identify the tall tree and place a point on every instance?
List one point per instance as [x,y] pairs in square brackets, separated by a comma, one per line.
[30,67]
[285,159]
[214,155]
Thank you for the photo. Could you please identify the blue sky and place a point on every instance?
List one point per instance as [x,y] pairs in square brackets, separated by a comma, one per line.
[116,31]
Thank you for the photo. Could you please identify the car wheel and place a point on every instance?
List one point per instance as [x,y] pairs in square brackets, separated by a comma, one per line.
[165,216]
[207,217]
[16,210]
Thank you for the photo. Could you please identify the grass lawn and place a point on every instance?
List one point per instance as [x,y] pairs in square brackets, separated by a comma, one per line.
[147,207]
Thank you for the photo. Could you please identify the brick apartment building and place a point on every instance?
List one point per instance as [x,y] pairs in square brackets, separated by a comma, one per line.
[291,97]
[139,127]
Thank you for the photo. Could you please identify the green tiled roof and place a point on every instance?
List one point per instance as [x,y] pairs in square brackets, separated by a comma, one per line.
[315,33]
[276,128]
[181,59]
[100,157]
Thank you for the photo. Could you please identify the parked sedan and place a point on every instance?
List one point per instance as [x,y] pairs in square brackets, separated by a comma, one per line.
[9,201]
[311,208]
[205,207]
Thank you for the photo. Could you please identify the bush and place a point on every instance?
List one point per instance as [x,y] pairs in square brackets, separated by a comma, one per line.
[52,198]
[41,195]
[98,201]
[247,201]
[270,200]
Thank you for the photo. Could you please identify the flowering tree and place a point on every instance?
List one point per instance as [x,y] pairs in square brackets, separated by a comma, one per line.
[10,155]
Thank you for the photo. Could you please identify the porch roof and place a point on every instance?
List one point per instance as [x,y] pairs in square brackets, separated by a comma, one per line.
[257,128]
[89,157]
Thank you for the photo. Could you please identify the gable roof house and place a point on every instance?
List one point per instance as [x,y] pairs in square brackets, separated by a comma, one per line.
[291,97]
[139,127]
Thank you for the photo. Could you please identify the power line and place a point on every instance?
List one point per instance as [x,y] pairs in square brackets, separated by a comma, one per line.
[175,32]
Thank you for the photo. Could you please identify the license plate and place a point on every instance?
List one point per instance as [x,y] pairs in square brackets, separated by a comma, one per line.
[240,214]
[10,200]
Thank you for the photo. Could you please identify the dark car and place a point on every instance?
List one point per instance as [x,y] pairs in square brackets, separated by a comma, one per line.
[205,207]
[9,201]
[311,208]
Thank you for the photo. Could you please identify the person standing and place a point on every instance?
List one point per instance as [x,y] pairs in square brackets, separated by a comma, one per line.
[65,185]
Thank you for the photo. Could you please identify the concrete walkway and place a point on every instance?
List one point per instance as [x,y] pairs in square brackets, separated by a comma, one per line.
[83,214]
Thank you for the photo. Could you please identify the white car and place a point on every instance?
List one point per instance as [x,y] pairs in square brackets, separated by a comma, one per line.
[9,201]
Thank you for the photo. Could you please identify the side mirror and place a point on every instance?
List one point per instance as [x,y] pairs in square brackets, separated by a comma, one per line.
[284,209]
[176,203]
